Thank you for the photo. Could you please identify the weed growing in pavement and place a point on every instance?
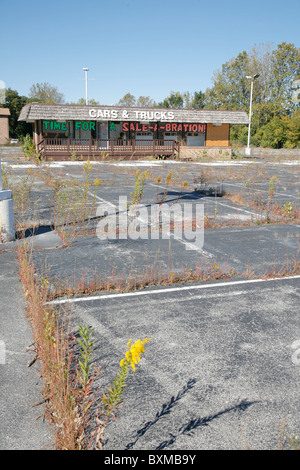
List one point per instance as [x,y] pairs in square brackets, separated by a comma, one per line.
[137,194]
[294,442]
[51,347]
[168,182]
[268,211]
[86,350]
[21,188]
[69,390]
[150,276]
[288,210]
[272,182]
[289,268]
[74,206]
[111,400]
[29,150]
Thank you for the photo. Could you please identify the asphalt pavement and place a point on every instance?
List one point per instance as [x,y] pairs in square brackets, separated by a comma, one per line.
[221,370]
[22,428]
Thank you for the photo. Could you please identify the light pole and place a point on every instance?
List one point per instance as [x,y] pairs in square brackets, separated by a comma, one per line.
[248,152]
[85,69]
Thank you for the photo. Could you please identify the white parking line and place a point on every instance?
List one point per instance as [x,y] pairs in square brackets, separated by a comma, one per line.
[218,202]
[263,190]
[167,290]
[103,200]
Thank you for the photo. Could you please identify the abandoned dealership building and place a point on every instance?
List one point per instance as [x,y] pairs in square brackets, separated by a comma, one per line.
[62,131]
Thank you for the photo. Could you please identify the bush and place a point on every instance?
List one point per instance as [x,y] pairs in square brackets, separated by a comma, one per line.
[28,147]
[273,134]
[293,130]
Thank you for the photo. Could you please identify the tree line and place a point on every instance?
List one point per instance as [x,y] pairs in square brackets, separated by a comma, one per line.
[275,107]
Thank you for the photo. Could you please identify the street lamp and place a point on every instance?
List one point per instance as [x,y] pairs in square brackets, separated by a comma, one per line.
[85,69]
[248,152]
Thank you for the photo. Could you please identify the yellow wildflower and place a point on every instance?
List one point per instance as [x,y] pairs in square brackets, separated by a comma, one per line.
[87,166]
[97,182]
[134,353]
[169,177]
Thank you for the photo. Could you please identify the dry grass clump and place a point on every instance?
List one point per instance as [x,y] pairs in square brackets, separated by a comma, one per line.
[67,402]
[74,406]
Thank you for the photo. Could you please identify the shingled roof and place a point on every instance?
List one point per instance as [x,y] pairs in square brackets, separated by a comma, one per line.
[36,111]
[4,112]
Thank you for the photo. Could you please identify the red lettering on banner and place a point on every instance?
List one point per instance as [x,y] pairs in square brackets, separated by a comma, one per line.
[169,127]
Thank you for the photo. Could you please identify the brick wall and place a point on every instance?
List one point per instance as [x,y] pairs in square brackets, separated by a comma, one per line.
[4,130]
[194,153]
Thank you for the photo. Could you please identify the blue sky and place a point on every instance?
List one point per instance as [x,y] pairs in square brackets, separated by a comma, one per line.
[143,47]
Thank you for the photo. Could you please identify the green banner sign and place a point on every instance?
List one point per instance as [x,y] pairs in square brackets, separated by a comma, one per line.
[63,126]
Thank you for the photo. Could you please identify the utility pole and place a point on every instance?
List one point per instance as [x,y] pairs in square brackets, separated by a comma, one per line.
[85,69]
[248,151]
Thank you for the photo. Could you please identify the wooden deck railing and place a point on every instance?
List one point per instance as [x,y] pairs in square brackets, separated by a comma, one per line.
[97,147]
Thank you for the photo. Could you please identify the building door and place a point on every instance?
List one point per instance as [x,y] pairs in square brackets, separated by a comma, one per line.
[195,139]
[170,136]
[115,131]
[82,131]
[102,135]
[143,138]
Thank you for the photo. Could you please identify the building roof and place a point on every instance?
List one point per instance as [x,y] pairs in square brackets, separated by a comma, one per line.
[53,112]
[4,112]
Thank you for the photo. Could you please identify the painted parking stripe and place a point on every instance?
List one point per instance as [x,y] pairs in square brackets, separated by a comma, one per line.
[263,190]
[167,290]
[240,209]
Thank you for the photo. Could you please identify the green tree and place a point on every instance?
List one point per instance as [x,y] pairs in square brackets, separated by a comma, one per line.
[230,86]
[145,102]
[273,134]
[45,93]
[198,101]
[193,101]
[91,101]
[174,100]
[142,101]
[285,70]
[293,129]
[273,92]
[128,100]
[15,102]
